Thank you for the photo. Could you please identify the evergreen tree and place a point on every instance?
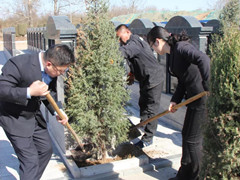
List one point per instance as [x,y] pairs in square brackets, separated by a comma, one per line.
[222,131]
[229,15]
[96,92]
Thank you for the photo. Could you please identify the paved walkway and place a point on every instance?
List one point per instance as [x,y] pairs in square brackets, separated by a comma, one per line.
[9,163]
[167,143]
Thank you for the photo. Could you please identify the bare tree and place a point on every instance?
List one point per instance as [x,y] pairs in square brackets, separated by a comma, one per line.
[56,9]
[133,4]
[67,6]
[117,11]
[23,10]
[220,4]
[29,10]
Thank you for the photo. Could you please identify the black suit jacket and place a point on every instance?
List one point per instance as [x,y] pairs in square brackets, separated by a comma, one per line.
[19,115]
[192,68]
[142,62]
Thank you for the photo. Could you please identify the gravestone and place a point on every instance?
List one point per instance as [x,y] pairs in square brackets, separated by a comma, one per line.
[116,23]
[197,33]
[36,39]
[193,28]
[159,24]
[141,27]
[60,30]
[215,24]
[9,41]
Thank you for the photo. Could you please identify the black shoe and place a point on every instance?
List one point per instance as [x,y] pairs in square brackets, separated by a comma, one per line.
[141,144]
[174,178]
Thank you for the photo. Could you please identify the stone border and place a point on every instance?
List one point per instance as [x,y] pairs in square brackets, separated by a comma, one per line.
[117,169]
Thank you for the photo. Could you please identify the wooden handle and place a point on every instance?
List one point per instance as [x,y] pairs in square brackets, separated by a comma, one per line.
[61,115]
[194,98]
[55,106]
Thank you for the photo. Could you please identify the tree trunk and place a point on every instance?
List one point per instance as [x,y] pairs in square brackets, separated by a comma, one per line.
[56,12]
[104,151]
[30,23]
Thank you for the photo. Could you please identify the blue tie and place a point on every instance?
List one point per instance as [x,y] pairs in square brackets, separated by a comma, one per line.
[46,78]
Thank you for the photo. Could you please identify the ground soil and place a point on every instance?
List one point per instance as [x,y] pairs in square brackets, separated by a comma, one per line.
[83,159]
[123,151]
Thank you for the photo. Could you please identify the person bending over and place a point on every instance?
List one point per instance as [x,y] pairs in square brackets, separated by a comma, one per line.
[24,82]
[144,68]
[192,69]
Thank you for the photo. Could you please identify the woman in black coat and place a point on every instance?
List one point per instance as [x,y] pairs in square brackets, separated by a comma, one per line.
[192,68]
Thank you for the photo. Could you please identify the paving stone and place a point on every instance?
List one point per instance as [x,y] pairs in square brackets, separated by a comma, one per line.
[9,163]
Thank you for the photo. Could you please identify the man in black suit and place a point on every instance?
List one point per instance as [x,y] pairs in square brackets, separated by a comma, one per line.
[24,82]
[146,69]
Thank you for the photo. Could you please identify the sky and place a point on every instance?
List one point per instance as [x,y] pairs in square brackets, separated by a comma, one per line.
[174,5]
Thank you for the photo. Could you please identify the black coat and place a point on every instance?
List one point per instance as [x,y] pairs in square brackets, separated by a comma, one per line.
[18,115]
[192,69]
[142,62]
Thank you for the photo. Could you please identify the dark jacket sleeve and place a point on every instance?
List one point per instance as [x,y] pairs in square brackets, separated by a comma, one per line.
[198,58]
[179,93]
[130,50]
[10,91]
[130,66]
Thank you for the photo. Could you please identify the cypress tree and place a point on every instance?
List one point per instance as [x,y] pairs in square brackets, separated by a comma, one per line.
[222,131]
[96,85]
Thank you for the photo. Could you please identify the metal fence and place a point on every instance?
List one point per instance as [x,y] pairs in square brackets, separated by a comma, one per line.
[59,30]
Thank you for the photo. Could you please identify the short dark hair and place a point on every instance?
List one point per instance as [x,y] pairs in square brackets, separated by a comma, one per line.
[120,26]
[60,55]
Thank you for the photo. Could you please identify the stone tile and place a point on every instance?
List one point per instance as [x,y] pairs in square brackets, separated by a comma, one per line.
[9,163]
[3,58]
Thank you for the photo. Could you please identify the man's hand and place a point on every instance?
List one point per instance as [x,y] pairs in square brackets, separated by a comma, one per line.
[130,78]
[38,88]
[62,121]
[171,107]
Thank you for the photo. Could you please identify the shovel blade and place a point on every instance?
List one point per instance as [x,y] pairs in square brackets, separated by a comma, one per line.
[133,132]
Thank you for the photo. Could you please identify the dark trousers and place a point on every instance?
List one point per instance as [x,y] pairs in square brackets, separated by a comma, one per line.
[33,153]
[149,103]
[192,143]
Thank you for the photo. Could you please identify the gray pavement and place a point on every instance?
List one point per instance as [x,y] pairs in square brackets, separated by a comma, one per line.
[9,163]
[166,145]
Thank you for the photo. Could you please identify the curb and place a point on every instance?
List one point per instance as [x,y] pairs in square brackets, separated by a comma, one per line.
[114,170]
[118,167]
[102,171]
[68,162]
[157,164]
[161,163]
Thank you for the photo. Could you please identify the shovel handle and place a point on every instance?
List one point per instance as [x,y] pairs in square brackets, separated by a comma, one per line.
[59,112]
[194,98]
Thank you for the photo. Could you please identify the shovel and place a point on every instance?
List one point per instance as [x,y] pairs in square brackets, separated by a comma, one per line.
[133,133]
[59,112]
